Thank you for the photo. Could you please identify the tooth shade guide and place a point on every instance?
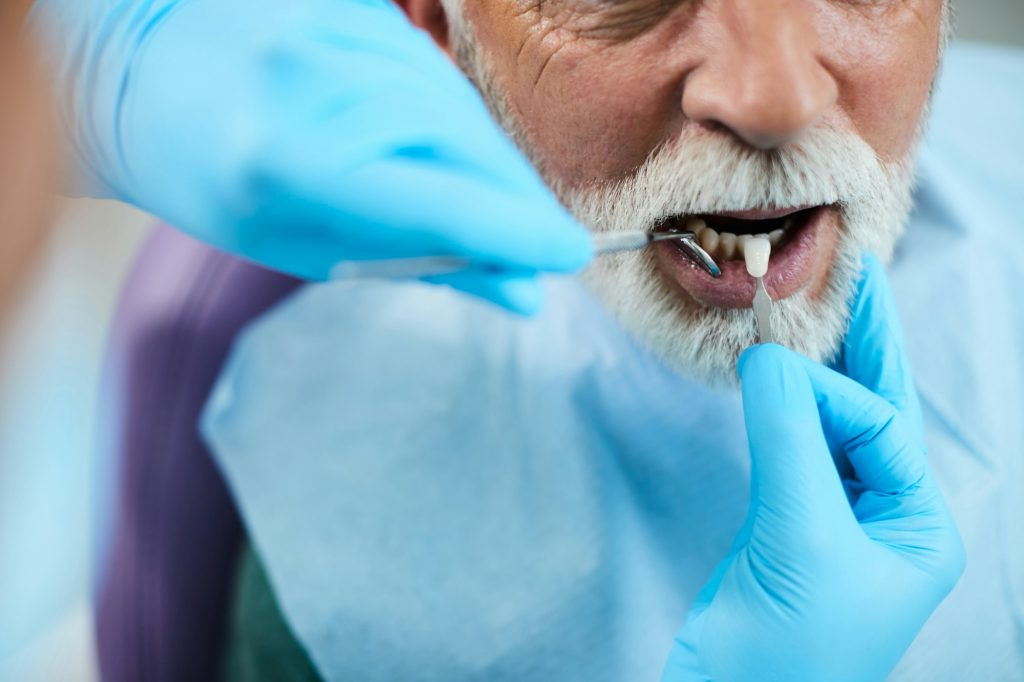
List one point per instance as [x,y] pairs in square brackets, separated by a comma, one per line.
[757,251]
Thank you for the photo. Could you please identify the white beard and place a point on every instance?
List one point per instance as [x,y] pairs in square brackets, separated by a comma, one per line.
[710,173]
[700,174]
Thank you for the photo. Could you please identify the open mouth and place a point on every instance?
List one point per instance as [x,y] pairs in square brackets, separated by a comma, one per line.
[802,238]
[724,235]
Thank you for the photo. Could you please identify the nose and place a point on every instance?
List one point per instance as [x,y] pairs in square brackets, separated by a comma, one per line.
[762,77]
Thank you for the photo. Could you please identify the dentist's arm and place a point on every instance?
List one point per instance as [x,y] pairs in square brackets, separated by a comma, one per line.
[829,579]
[26,162]
[300,133]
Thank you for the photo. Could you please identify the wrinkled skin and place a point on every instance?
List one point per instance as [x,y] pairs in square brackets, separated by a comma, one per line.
[599,84]
[26,163]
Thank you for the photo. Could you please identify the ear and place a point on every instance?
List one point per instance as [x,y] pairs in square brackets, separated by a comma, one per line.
[430,16]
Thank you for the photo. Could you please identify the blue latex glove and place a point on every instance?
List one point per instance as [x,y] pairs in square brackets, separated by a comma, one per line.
[825,583]
[300,133]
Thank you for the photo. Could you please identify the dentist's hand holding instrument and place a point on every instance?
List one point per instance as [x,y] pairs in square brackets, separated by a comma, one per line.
[301,134]
[831,577]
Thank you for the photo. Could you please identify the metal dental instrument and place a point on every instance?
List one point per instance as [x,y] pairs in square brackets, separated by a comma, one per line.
[604,243]
[756,253]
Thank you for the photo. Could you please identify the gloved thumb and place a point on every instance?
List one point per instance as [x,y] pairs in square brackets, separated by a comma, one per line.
[882,447]
[518,291]
[873,353]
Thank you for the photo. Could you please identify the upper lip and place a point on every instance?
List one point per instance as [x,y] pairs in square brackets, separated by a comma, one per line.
[763,213]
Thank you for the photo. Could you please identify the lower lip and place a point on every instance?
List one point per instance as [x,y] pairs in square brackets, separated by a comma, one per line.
[790,269]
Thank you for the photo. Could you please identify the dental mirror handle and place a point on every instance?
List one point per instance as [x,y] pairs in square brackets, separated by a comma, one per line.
[435,266]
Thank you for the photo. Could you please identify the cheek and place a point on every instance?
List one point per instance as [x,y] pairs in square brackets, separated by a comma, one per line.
[592,109]
[597,119]
[884,66]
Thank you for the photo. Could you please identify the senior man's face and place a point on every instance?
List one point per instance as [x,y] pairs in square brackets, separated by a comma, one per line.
[792,118]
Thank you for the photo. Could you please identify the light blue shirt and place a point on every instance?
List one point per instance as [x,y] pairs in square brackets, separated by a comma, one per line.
[440,491]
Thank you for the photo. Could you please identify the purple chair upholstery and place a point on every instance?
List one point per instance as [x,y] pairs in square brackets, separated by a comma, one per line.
[166,573]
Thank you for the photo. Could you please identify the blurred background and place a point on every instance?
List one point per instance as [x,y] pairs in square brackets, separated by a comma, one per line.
[50,355]
[998,21]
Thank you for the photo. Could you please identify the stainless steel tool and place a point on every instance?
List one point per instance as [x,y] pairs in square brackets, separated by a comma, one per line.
[604,243]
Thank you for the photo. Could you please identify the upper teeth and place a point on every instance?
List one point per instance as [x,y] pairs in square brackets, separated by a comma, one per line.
[726,245]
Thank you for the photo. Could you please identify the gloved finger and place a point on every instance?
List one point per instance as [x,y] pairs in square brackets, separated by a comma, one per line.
[408,208]
[516,291]
[472,216]
[873,351]
[313,135]
[793,474]
[887,454]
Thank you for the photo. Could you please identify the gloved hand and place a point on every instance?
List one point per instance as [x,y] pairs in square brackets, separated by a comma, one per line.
[299,133]
[827,584]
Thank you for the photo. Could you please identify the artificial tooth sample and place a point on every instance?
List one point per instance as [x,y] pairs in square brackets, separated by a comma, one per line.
[756,253]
